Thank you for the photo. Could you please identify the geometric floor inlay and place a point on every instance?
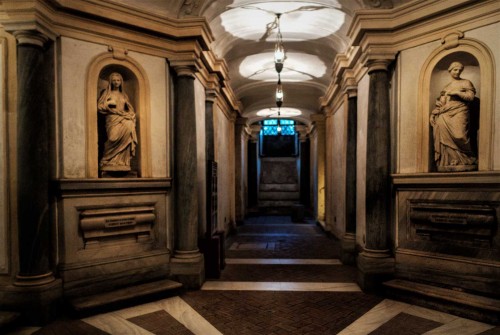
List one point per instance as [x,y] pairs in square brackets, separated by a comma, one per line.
[406,324]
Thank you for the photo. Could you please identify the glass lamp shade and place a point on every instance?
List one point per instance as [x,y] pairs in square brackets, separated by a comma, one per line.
[279,94]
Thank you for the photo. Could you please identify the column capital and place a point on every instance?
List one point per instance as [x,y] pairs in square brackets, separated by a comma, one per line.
[303,132]
[241,121]
[186,70]
[377,64]
[350,87]
[211,95]
[254,132]
[30,37]
[317,118]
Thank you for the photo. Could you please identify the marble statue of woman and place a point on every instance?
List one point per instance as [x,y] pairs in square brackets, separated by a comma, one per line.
[120,126]
[450,120]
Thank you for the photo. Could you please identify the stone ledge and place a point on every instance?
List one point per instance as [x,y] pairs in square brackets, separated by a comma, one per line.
[101,299]
[457,302]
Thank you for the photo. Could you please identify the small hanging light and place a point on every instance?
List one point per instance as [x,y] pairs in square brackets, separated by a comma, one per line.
[279,93]
[279,51]
[279,126]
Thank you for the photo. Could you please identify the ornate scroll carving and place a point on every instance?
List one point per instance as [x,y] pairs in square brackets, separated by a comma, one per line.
[112,223]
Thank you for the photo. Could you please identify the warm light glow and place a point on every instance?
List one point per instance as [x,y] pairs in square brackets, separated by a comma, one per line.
[299,67]
[284,112]
[249,19]
[279,93]
[279,53]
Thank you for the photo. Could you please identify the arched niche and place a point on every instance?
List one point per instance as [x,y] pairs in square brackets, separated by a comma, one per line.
[480,70]
[136,86]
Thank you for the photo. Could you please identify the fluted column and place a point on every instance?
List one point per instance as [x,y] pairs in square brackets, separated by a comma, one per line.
[348,241]
[187,263]
[35,98]
[375,263]
[210,98]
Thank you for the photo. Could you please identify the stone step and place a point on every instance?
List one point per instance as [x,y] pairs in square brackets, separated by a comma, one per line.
[123,294]
[279,187]
[277,203]
[279,195]
[481,308]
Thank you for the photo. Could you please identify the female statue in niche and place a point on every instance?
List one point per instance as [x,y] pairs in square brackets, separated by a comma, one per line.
[450,120]
[120,126]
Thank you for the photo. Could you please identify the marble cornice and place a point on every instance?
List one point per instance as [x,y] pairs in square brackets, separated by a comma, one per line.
[392,30]
[103,22]
[456,180]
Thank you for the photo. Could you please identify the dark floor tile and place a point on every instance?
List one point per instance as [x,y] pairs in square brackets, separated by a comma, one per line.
[493,331]
[160,323]
[406,324]
[251,312]
[69,327]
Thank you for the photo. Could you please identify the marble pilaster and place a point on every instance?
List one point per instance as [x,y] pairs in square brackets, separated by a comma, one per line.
[304,166]
[253,174]
[348,241]
[187,263]
[319,164]
[375,263]
[241,164]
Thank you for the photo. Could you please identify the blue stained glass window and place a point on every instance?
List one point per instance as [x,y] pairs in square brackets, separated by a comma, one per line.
[270,127]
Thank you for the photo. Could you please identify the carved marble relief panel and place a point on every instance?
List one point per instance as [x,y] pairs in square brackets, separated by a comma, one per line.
[454,227]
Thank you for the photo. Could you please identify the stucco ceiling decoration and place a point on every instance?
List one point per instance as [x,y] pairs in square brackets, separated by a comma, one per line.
[245,35]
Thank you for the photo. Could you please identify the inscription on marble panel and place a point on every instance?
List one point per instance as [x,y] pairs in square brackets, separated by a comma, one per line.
[463,224]
[117,224]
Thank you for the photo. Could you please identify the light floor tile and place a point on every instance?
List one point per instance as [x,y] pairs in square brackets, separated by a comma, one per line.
[375,317]
[283,261]
[186,315]
[388,309]
[280,286]
[114,324]
[460,326]
[430,314]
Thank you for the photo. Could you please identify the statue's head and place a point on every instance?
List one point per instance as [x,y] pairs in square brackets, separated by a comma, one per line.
[116,80]
[454,65]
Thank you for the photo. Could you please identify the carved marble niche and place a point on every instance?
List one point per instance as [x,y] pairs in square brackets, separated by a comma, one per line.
[117,147]
[443,137]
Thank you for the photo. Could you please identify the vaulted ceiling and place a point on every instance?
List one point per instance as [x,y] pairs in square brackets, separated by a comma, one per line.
[314,32]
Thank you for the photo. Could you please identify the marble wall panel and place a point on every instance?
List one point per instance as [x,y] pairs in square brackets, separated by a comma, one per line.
[410,65]
[75,57]
[157,74]
[4,243]
[339,171]
[200,96]
[489,36]
[362,109]
[224,154]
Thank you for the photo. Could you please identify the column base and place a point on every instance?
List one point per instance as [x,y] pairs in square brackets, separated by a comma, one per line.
[374,267]
[188,268]
[348,249]
[38,304]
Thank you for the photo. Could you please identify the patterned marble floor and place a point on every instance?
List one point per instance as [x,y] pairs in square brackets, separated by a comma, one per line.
[280,278]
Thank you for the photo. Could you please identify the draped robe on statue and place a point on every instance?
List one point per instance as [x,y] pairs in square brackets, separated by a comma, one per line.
[450,121]
[120,128]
